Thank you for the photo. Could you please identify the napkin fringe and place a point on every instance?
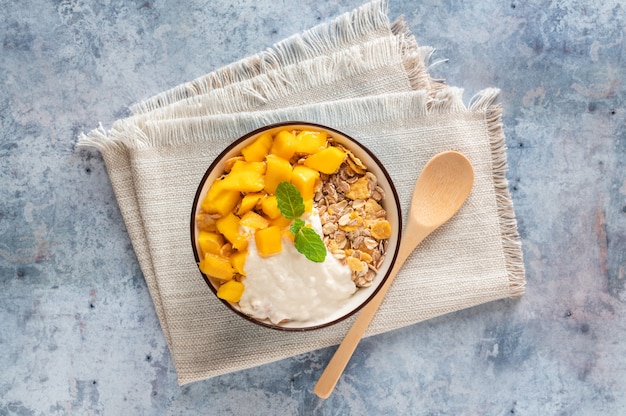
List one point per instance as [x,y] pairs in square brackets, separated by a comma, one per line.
[417,59]
[99,139]
[361,23]
[275,85]
[511,241]
[446,100]
[195,130]
[200,130]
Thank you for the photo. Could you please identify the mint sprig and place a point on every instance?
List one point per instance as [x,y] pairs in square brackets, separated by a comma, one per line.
[309,243]
[291,206]
[290,202]
[296,226]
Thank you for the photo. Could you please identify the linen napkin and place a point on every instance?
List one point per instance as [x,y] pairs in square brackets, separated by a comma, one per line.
[156,159]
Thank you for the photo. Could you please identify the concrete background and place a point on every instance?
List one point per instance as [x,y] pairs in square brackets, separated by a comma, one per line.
[78,331]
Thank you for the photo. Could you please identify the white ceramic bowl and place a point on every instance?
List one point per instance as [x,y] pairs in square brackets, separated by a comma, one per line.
[390,204]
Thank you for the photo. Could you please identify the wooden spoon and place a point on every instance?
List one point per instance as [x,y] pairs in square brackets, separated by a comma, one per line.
[439,192]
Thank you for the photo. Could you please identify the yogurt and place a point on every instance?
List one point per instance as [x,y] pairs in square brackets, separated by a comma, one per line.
[288,286]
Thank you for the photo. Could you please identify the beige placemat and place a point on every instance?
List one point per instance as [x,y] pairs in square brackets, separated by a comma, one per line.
[245,80]
[155,165]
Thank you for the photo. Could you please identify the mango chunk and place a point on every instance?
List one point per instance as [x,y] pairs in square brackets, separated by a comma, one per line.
[281,222]
[231,291]
[305,179]
[278,170]
[238,260]
[310,141]
[327,160]
[249,201]
[229,227]
[284,144]
[253,220]
[308,205]
[210,242]
[257,150]
[269,206]
[245,177]
[268,241]
[217,266]
[220,200]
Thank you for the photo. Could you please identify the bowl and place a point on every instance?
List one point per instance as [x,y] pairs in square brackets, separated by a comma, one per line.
[337,310]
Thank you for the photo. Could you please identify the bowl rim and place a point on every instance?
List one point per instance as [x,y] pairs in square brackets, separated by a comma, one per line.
[247,136]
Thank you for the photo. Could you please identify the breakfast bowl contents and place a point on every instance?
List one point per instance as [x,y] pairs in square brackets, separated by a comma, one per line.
[295,226]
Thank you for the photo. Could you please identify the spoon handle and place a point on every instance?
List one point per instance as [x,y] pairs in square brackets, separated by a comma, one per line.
[327,381]
[443,186]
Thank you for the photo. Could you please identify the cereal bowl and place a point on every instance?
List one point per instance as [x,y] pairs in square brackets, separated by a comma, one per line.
[295,226]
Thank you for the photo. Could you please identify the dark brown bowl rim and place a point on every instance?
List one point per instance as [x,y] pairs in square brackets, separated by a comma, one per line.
[247,136]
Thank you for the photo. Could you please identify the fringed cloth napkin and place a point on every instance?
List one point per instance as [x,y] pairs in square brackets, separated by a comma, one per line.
[359,74]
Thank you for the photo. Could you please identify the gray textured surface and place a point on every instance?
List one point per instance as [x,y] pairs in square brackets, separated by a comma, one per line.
[78,332]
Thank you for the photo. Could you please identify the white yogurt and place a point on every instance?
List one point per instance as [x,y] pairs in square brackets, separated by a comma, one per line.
[288,286]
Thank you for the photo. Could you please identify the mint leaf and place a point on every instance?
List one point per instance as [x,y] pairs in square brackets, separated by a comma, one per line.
[309,243]
[306,240]
[289,200]
[296,226]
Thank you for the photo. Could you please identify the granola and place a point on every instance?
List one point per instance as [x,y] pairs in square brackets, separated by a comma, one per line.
[355,225]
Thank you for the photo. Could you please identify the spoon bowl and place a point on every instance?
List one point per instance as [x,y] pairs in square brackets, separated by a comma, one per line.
[439,192]
[441,189]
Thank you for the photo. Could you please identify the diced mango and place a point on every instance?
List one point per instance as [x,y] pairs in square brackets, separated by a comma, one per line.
[284,144]
[278,170]
[308,205]
[268,241]
[257,150]
[229,227]
[231,291]
[327,160]
[217,266]
[238,260]
[310,141]
[269,206]
[228,165]
[253,220]
[249,201]
[210,242]
[305,179]
[281,222]
[220,200]
[245,177]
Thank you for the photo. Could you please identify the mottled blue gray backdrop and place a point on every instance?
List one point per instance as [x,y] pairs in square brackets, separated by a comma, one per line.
[78,332]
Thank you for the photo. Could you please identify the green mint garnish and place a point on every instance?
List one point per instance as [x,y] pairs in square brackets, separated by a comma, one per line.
[309,243]
[296,226]
[289,200]
[291,205]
